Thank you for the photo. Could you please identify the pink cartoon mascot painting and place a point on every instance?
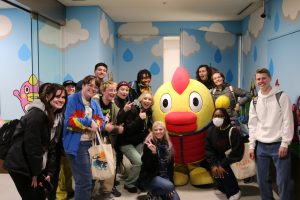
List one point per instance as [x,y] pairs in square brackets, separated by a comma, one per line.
[28,92]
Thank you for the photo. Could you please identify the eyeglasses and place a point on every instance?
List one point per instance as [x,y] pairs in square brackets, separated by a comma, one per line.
[93,86]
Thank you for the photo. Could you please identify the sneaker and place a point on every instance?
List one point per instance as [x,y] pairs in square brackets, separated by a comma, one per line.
[131,189]
[116,192]
[151,197]
[236,196]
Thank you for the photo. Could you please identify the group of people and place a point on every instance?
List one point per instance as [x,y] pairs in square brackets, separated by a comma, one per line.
[271,131]
[59,127]
[57,132]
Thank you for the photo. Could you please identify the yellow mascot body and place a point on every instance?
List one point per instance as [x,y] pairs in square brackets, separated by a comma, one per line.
[186,106]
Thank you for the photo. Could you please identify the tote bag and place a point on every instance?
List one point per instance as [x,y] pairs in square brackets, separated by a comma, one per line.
[245,168]
[102,159]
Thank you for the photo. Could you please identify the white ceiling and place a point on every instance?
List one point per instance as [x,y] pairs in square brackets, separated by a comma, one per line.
[171,10]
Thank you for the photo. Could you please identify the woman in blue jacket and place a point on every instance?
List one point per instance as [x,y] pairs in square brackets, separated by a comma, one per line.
[83,118]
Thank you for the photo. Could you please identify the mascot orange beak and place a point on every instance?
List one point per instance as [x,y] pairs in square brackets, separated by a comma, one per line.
[181,122]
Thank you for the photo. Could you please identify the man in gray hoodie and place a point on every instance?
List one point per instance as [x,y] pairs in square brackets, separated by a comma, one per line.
[270,133]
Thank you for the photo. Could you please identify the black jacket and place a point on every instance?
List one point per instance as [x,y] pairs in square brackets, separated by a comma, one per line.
[217,143]
[135,129]
[150,166]
[26,154]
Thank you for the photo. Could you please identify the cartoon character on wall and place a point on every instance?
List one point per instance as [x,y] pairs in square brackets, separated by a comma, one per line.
[28,92]
[186,106]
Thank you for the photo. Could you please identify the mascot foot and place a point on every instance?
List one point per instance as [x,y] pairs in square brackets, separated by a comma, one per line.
[180,178]
[200,176]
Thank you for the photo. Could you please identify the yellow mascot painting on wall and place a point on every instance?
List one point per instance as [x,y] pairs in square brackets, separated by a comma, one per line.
[186,106]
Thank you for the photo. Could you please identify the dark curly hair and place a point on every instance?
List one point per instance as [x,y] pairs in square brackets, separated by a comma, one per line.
[209,73]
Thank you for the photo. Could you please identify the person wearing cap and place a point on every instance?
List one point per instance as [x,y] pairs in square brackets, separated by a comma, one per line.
[70,86]
[100,72]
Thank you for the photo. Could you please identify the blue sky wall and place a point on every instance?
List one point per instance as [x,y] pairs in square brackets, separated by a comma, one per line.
[273,42]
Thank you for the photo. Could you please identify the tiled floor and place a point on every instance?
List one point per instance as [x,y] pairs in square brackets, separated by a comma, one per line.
[188,192]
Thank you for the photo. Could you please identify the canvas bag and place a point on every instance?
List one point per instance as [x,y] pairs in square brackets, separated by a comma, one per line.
[245,168]
[102,159]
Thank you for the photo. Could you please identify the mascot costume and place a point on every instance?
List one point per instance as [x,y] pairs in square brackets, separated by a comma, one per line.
[186,106]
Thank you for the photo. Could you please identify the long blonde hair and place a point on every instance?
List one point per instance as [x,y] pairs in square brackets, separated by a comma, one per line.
[166,135]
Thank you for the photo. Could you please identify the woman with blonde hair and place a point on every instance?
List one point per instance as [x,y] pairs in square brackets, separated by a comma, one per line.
[156,174]
[137,124]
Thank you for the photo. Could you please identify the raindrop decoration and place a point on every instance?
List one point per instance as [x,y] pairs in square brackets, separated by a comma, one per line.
[218,56]
[276,22]
[127,55]
[24,52]
[229,76]
[154,68]
[271,67]
[255,54]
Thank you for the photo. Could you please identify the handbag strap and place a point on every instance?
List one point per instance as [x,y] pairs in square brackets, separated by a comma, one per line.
[99,138]
[229,135]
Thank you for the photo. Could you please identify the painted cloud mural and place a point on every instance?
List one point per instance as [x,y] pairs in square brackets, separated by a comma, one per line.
[191,45]
[71,34]
[220,41]
[256,23]
[5,27]
[137,32]
[291,9]
[246,41]
[105,35]
[157,49]
[104,30]
[215,27]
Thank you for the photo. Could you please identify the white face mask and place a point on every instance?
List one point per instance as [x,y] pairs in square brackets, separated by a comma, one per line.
[218,122]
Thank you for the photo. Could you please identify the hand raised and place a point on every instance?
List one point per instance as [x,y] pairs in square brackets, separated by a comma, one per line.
[128,106]
[151,146]
[142,115]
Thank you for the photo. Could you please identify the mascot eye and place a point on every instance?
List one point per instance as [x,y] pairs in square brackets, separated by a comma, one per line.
[195,102]
[165,103]
[26,90]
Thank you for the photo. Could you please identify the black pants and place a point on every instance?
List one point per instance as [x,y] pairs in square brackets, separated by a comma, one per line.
[228,184]
[23,185]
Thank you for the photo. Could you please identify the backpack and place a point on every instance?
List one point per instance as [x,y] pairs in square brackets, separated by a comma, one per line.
[7,132]
[277,95]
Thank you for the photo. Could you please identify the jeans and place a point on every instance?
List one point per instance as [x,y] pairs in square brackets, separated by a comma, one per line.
[134,154]
[266,153]
[228,184]
[81,170]
[161,187]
